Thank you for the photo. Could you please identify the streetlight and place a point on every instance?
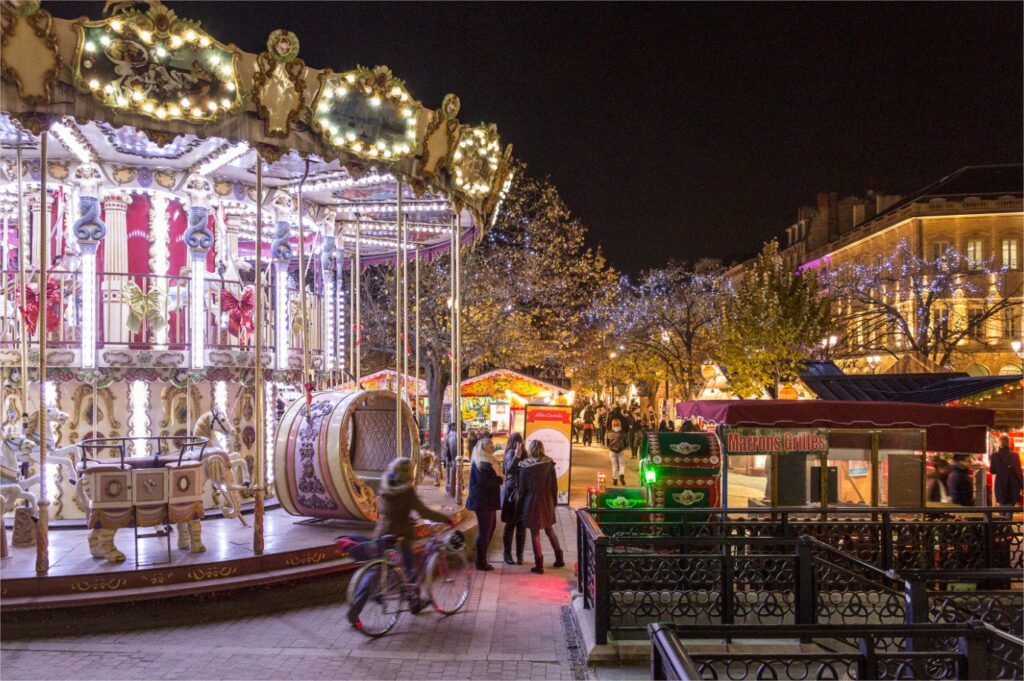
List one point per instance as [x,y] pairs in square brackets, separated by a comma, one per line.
[873,361]
[1016,345]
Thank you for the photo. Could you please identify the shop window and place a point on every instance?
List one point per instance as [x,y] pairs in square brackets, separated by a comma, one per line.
[1009,254]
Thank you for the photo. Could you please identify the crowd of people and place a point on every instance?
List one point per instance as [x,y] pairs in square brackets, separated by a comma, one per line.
[952,481]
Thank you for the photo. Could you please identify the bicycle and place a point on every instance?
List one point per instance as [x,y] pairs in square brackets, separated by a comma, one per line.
[446,581]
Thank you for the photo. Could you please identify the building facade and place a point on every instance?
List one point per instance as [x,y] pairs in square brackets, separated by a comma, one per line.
[975,212]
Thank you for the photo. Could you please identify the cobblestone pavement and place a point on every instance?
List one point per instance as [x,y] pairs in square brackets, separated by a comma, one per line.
[511,628]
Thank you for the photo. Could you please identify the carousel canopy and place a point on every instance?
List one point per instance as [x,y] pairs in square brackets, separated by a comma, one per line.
[949,429]
[153,100]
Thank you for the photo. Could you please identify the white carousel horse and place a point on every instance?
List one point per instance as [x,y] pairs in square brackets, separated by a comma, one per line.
[17,450]
[226,471]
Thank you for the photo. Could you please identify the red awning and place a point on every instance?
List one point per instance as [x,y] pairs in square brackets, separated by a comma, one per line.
[949,429]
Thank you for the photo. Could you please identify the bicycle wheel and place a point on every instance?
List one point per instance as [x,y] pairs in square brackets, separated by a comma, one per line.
[448,581]
[377,587]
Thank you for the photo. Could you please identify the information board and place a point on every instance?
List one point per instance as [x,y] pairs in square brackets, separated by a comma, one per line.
[552,425]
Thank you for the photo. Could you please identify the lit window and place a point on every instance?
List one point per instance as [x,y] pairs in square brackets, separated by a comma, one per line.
[1011,321]
[939,250]
[976,324]
[975,255]
[1010,254]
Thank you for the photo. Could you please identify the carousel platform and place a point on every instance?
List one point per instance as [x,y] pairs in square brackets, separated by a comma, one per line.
[294,549]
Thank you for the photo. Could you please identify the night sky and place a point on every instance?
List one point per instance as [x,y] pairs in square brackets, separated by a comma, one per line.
[687,130]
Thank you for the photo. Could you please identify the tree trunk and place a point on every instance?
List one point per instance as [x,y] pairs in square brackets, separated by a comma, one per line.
[437,380]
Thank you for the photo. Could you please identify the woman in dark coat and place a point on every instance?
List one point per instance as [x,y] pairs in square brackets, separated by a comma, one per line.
[1005,467]
[961,481]
[538,492]
[484,497]
[515,452]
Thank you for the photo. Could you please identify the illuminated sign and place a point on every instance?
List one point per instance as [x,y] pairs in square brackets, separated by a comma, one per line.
[776,441]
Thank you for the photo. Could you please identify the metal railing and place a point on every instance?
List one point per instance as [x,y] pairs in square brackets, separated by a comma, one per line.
[703,571]
[839,651]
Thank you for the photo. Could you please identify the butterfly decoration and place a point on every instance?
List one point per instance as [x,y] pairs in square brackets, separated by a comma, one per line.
[144,307]
[621,502]
[687,497]
[30,309]
[240,310]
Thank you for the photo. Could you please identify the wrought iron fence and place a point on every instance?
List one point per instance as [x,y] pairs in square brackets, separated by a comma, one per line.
[827,651]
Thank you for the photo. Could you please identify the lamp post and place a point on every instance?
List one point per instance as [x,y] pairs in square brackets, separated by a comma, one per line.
[873,362]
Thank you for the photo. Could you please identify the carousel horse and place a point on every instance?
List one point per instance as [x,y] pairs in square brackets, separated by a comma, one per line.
[226,471]
[19,452]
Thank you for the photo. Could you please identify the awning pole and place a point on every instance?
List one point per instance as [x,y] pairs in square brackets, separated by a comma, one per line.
[43,541]
[261,452]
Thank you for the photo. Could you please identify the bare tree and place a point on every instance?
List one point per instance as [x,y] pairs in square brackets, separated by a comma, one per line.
[905,304]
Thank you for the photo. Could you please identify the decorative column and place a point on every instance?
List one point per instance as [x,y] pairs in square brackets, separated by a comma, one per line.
[199,240]
[281,250]
[32,235]
[115,262]
[159,256]
[329,306]
[89,230]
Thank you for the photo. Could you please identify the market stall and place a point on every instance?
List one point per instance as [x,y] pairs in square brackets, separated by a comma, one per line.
[828,453]
[497,399]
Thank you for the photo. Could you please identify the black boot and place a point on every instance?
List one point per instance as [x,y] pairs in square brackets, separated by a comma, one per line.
[538,569]
[558,559]
[622,479]
[508,557]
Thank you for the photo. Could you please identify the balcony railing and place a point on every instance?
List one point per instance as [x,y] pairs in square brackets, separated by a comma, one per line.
[153,312]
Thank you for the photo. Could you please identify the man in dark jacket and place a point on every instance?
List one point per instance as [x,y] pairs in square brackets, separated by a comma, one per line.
[1009,480]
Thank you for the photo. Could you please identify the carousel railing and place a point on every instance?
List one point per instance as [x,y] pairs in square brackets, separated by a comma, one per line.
[142,311]
[67,304]
[229,325]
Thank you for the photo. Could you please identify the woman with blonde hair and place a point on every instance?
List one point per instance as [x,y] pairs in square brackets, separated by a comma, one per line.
[484,497]
[538,492]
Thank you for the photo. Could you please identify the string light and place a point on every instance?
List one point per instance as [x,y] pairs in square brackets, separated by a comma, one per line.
[76,145]
[223,157]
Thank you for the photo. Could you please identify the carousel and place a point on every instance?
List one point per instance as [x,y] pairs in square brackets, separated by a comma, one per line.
[185,227]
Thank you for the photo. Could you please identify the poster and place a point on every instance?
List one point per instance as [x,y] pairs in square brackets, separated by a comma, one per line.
[552,425]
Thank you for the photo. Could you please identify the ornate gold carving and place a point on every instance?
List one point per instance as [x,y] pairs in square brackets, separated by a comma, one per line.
[28,51]
[99,584]
[213,572]
[158,577]
[123,174]
[278,85]
[306,559]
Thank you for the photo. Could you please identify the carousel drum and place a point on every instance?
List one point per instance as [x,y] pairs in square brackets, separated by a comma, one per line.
[328,463]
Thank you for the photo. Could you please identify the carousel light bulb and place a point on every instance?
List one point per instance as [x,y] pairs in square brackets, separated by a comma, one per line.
[204,42]
[211,105]
[197,112]
[396,91]
[108,88]
[161,112]
[147,106]
[350,136]
[406,113]
[137,96]
[94,84]
[90,47]
[116,25]
[176,41]
[174,109]
[411,134]
[225,70]
[185,102]
[145,36]
[190,35]
[322,107]
[160,51]
[374,101]
[104,40]
[351,78]
[226,103]
[214,59]
[231,86]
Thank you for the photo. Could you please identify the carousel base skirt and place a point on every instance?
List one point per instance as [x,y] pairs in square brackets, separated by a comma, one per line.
[293,549]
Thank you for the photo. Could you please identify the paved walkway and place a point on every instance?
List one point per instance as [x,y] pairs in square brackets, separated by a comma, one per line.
[511,628]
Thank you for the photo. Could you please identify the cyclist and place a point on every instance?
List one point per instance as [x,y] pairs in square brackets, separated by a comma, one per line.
[397,501]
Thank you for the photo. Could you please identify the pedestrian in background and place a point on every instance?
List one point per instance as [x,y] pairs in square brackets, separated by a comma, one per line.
[937,477]
[1005,467]
[636,434]
[615,440]
[515,452]
[538,492]
[484,497]
[588,428]
[602,422]
[961,481]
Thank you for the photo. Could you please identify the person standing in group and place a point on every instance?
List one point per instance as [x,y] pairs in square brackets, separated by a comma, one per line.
[665,426]
[636,434]
[515,452]
[538,492]
[588,428]
[615,440]
[961,481]
[1009,480]
[484,497]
